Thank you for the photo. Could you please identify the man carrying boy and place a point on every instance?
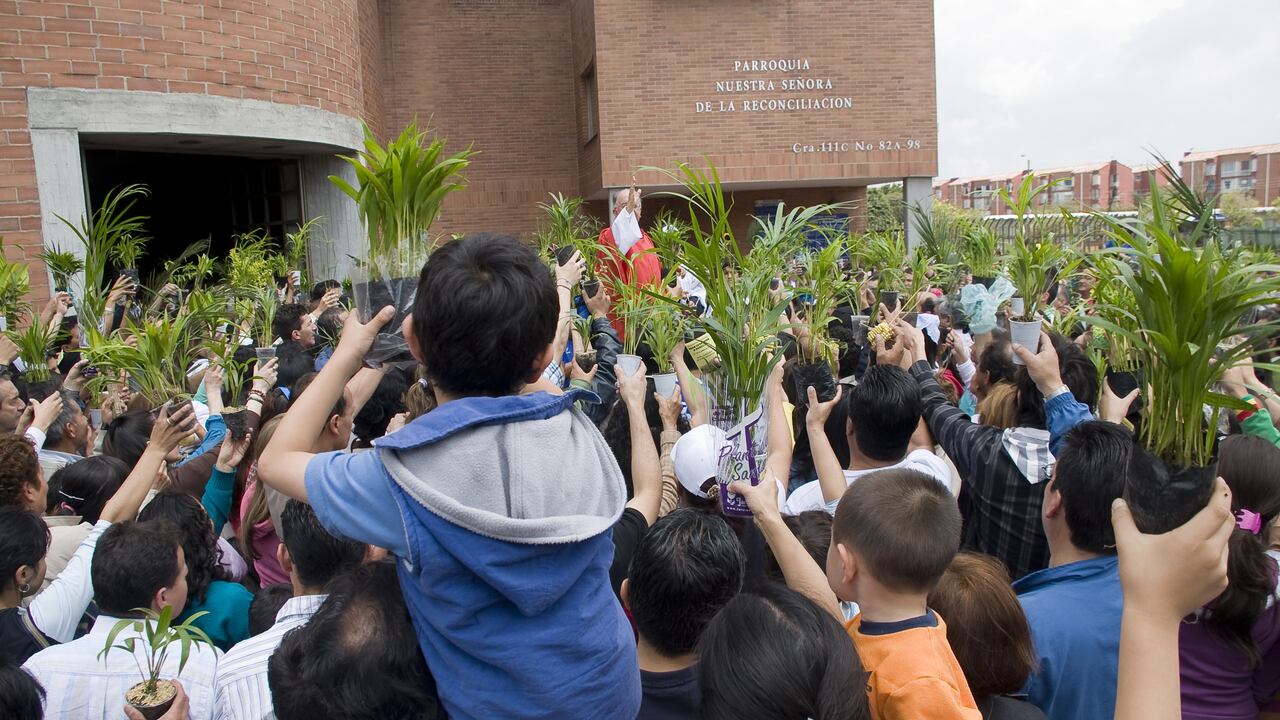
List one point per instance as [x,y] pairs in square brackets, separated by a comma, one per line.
[895,532]
[497,504]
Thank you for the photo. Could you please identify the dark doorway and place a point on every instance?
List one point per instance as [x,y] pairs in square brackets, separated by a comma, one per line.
[194,197]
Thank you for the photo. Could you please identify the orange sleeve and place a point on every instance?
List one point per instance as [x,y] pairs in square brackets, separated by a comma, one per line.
[928,697]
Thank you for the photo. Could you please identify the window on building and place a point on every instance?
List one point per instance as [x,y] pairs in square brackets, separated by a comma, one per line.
[1228,167]
[1096,180]
[1248,166]
[1210,168]
[1095,195]
[590,120]
[1227,184]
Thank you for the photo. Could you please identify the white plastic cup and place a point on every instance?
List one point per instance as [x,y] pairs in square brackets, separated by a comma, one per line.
[264,353]
[1017,307]
[629,364]
[664,384]
[1026,334]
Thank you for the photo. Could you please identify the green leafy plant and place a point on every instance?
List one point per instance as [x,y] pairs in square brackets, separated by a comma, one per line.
[36,343]
[1035,258]
[942,232]
[165,347]
[127,249]
[565,225]
[401,187]
[1114,302]
[980,249]
[664,329]
[15,283]
[296,245]
[823,286]
[196,271]
[156,633]
[742,321]
[63,265]
[887,253]
[253,264]
[1189,295]
[98,233]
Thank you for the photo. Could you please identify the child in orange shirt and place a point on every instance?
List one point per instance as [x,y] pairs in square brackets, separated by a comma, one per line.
[895,532]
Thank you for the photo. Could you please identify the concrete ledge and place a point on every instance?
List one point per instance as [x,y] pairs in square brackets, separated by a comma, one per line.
[131,111]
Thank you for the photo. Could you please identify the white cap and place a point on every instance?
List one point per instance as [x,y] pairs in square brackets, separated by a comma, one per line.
[696,457]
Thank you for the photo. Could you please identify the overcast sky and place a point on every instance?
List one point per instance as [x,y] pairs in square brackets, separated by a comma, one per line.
[1077,81]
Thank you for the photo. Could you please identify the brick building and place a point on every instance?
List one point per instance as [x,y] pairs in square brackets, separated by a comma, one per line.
[1146,176]
[1254,171]
[1098,186]
[233,112]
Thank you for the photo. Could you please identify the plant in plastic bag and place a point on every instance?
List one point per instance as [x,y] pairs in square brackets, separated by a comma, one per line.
[400,189]
[1188,296]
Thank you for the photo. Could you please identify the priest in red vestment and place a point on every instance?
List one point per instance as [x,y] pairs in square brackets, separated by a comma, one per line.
[643,267]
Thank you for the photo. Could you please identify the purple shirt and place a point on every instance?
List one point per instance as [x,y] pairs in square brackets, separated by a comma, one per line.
[1218,682]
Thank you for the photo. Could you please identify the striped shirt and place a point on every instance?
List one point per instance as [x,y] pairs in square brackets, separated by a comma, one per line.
[79,686]
[240,689]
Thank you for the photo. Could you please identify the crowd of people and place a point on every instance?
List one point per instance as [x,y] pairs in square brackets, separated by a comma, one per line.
[491,532]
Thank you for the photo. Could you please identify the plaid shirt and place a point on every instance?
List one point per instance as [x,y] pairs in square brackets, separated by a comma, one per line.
[1001,507]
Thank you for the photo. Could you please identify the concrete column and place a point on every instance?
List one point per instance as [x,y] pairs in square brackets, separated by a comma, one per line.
[340,236]
[915,191]
[60,182]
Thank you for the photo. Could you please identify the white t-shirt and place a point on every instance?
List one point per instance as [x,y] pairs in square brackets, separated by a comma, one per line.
[809,495]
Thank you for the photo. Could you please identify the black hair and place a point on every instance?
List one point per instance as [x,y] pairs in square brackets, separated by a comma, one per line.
[70,409]
[835,428]
[317,556]
[928,306]
[24,539]
[126,436]
[885,409]
[1091,471]
[199,542]
[772,654]
[292,364]
[371,422]
[1078,373]
[288,319]
[131,562]
[245,356]
[266,605]
[686,567]
[319,289]
[485,310]
[304,382]
[1251,467]
[813,529]
[20,694]
[357,658]
[997,359]
[616,430]
[84,487]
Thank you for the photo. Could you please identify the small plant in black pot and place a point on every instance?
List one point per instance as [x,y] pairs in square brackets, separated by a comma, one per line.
[152,636]
[400,189]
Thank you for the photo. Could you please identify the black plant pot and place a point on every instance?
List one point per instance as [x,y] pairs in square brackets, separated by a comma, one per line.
[910,318]
[1163,497]
[1123,382]
[389,346]
[817,375]
[563,254]
[237,421]
[889,298]
[984,280]
[131,273]
[590,288]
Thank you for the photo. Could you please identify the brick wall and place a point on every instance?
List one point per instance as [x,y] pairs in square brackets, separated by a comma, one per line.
[655,59]
[298,52]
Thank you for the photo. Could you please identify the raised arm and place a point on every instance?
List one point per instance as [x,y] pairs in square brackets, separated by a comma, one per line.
[669,410]
[646,470]
[283,464]
[830,474]
[691,389]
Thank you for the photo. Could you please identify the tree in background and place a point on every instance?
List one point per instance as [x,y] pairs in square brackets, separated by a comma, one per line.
[1239,210]
[884,208]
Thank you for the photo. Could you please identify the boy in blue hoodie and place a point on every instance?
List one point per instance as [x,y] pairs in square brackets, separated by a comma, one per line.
[497,504]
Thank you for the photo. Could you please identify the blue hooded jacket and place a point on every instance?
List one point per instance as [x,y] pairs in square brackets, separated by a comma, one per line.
[499,511]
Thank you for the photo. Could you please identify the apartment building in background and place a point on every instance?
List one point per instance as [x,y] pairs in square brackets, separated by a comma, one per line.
[1145,177]
[1099,186]
[1254,171]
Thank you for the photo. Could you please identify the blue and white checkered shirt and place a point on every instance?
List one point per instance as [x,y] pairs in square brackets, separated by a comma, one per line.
[240,688]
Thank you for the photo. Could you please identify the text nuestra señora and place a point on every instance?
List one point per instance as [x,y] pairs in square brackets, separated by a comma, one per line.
[742,89]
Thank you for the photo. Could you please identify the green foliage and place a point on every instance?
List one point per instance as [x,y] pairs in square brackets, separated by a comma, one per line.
[156,632]
[1239,210]
[36,342]
[296,245]
[942,231]
[668,230]
[1035,258]
[887,252]
[980,249]
[743,320]
[253,264]
[99,233]
[63,265]
[884,208]
[15,283]
[826,286]
[127,249]
[565,225]
[1114,302]
[401,187]
[1189,295]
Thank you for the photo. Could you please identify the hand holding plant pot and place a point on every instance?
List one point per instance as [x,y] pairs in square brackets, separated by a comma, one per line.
[569,272]
[816,419]
[358,337]
[179,710]
[1115,408]
[174,425]
[669,409]
[1042,366]
[264,374]
[232,452]
[632,387]
[154,633]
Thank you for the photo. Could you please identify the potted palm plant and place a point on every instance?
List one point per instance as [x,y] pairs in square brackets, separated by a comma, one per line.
[824,285]
[15,283]
[631,305]
[886,253]
[979,253]
[98,233]
[401,188]
[1035,261]
[1188,295]
[63,266]
[36,344]
[125,253]
[296,245]
[664,329]
[155,633]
